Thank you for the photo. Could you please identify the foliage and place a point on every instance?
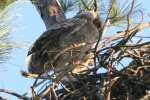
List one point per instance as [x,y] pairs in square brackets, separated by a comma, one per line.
[5,3]
[5,27]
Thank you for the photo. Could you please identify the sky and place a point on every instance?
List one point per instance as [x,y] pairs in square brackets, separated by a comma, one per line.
[28,26]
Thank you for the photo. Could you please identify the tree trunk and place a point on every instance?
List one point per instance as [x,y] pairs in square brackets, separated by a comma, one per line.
[50,11]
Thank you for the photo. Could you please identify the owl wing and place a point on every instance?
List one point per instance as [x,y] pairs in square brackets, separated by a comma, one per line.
[52,35]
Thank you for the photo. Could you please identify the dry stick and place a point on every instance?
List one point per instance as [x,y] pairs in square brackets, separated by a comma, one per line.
[128,36]
[131,46]
[137,45]
[49,93]
[14,94]
[135,71]
[109,85]
[106,23]
[128,16]
[44,92]
[64,86]
[29,75]
[122,34]
[122,52]
[53,92]
[100,34]
[33,87]
[68,49]
[123,42]
[43,86]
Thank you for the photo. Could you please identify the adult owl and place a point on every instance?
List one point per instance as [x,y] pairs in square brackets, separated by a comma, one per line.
[64,46]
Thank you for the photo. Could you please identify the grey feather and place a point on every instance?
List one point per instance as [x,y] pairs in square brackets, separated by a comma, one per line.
[77,30]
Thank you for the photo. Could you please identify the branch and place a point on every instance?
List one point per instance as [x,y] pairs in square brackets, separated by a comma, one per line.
[68,49]
[49,93]
[14,94]
[115,37]
[122,34]
[35,76]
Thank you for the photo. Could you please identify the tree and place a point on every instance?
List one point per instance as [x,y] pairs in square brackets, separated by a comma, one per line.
[5,3]
[109,52]
[5,28]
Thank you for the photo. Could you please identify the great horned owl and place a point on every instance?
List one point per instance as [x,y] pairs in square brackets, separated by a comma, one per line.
[63,46]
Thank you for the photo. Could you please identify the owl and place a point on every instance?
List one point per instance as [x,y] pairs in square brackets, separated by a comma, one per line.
[64,46]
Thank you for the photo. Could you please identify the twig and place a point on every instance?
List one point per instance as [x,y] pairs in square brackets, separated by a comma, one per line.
[49,92]
[128,16]
[64,87]
[44,92]
[68,49]
[14,94]
[35,76]
[122,34]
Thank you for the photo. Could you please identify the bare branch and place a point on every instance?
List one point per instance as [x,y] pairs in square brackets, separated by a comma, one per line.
[131,31]
[14,94]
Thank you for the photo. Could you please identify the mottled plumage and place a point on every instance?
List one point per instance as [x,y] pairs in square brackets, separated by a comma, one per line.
[63,46]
